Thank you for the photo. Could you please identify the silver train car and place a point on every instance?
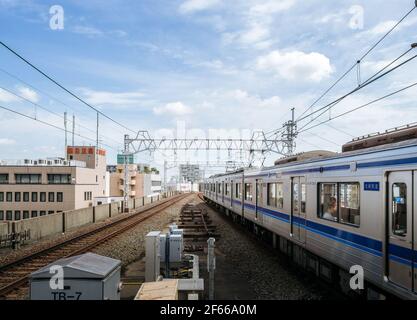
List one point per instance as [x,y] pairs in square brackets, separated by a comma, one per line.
[356,208]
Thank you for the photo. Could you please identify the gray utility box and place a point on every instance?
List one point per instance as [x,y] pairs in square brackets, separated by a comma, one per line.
[175,248]
[153,256]
[85,277]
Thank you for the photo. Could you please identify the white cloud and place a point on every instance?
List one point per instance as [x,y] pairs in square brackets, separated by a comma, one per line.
[6,142]
[112,98]
[88,31]
[7,97]
[271,6]
[296,65]
[173,108]
[384,26]
[191,6]
[257,22]
[29,94]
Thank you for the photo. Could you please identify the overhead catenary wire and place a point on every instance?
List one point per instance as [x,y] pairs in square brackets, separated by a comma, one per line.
[50,111]
[51,125]
[64,88]
[358,61]
[360,107]
[365,84]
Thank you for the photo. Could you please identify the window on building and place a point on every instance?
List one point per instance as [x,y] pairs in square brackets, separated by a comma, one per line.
[42,213]
[51,212]
[25,214]
[59,197]
[59,179]
[349,203]
[25,196]
[17,196]
[248,191]
[4,178]
[1,196]
[9,215]
[17,215]
[9,196]
[42,197]
[51,197]
[34,197]
[28,178]
[34,214]
[1,215]
[399,209]
[328,201]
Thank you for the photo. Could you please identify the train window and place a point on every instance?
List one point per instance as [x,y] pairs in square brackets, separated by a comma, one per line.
[296,196]
[399,209]
[272,192]
[328,201]
[226,189]
[238,191]
[349,203]
[248,191]
[303,197]
[275,195]
[280,195]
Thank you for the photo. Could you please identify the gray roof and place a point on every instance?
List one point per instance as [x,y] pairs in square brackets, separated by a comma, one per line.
[88,265]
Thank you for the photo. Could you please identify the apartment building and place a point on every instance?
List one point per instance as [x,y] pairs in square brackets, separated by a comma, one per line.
[32,188]
[141,184]
[190,173]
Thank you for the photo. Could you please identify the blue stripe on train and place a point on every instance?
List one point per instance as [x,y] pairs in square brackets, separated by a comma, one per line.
[372,246]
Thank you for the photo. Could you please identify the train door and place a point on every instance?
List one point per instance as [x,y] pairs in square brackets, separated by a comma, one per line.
[258,198]
[231,193]
[298,208]
[223,191]
[399,250]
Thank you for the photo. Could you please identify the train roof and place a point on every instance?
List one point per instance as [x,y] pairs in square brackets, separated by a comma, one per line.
[330,156]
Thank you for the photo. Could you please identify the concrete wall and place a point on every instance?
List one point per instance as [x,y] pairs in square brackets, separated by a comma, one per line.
[116,208]
[4,229]
[55,223]
[78,218]
[102,212]
[40,227]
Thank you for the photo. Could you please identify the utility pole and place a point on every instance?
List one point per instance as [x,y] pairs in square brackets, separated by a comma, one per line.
[73,130]
[66,138]
[165,175]
[290,133]
[211,266]
[126,173]
[97,141]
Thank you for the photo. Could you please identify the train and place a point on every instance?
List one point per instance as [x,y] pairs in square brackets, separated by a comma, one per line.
[332,212]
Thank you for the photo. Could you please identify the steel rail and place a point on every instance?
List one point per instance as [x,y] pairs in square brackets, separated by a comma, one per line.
[133,220]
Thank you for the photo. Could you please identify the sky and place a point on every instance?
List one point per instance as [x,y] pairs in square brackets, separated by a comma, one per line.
[216,68]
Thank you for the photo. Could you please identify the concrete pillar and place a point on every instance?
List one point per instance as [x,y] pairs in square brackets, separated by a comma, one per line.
[274,240]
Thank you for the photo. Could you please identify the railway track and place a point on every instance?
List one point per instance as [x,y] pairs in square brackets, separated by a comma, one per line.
[14,276]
